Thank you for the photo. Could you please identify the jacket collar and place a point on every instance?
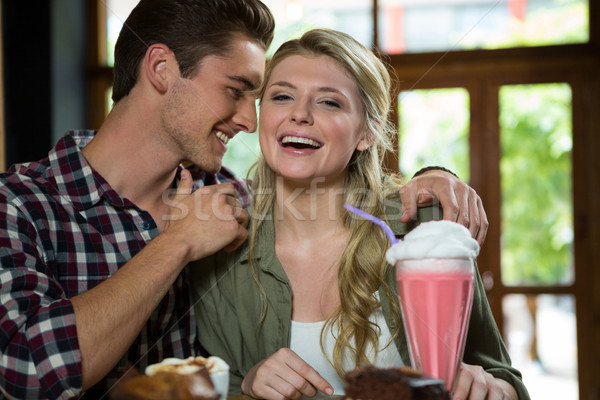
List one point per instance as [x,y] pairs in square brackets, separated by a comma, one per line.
[266,256]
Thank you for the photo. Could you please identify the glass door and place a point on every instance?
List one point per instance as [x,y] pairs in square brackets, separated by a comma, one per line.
[537,260]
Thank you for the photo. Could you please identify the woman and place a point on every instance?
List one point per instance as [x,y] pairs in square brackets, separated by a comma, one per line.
[311,295]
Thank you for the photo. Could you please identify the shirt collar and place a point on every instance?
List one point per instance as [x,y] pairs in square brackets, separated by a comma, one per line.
[73,175]
[76,179]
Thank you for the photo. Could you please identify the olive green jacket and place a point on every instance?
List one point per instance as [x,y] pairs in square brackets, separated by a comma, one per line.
[229,306]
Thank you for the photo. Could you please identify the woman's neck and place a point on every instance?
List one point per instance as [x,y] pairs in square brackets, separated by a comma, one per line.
[308,209]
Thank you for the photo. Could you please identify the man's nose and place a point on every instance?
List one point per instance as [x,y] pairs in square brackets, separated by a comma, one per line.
[245,117]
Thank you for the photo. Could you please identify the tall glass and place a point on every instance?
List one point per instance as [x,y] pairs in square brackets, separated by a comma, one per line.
[436,296]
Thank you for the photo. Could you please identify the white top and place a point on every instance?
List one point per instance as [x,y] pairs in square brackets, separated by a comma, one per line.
[305,342]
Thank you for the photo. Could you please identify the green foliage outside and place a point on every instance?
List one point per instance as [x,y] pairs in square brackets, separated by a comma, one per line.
[242,151]
[537,222]
[536,165]
[434,126]
[562,22]
[556,22]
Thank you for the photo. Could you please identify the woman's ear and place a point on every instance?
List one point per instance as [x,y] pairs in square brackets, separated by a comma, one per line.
[158,61]
[366,142]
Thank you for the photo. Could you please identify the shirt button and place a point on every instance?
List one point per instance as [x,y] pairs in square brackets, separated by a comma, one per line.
[146,225]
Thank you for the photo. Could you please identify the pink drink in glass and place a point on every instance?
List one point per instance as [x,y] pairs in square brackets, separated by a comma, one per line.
[436,295]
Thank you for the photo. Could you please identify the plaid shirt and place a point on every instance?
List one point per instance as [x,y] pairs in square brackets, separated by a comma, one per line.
[64,230]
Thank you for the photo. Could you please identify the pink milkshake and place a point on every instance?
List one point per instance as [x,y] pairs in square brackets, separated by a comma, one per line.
[434,270]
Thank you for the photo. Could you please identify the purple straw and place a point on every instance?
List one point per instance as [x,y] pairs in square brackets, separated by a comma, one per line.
[367,216]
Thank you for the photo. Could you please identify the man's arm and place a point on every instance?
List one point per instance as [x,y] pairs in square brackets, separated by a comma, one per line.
[459,201]
[40,355]
[110,316]
[208,220]
[104,321]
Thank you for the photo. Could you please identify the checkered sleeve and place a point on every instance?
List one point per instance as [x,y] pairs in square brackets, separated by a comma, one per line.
[39,351]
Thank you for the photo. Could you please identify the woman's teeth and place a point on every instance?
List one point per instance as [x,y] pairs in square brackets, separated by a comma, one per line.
[301,141]
[222,137]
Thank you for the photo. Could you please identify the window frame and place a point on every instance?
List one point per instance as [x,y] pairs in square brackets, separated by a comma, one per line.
[99,74]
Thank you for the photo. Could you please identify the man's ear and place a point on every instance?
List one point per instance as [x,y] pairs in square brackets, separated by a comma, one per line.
[159,62]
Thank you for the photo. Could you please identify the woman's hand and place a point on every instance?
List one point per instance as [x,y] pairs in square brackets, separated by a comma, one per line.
[476,384]
[460,202]
[284,375]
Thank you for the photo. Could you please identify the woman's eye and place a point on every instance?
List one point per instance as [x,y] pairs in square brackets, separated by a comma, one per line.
[331,103]
[280,97]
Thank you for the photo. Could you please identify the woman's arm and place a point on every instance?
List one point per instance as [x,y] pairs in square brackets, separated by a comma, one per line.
[474,383]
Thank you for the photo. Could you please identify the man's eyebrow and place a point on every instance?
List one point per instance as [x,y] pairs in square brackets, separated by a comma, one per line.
[249,85]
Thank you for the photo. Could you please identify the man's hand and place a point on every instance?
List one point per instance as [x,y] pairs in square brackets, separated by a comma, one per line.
[284,375]
[460,202]
[208,220]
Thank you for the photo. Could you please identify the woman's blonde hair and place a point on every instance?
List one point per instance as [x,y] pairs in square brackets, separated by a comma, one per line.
[363,268]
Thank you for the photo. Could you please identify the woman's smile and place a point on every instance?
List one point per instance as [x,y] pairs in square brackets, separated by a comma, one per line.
[299,145]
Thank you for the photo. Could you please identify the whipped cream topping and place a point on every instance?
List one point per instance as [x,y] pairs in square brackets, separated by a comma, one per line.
[435,239]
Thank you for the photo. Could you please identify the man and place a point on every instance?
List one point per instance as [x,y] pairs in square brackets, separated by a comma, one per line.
[95,238]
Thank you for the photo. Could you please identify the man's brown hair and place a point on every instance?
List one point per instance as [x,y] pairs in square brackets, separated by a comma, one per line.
[192,29]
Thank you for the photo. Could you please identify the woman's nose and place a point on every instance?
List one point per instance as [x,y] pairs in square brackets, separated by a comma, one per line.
[301,113]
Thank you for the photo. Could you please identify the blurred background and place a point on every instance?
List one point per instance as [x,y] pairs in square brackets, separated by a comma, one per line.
[503,92]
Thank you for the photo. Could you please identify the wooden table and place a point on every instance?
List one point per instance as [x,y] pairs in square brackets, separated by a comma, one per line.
[244,397]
